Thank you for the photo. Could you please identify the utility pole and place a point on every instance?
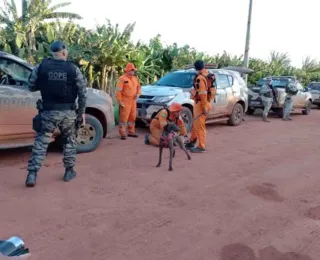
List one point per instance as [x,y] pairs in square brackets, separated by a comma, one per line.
[246,50]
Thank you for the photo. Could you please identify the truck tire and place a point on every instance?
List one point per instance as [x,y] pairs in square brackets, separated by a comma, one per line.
[307,110]
[90,135]
[279,111]
[250,111]
[237,115]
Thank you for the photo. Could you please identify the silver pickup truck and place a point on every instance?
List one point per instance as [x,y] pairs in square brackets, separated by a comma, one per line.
[230,104]
[302,101]
[18,107]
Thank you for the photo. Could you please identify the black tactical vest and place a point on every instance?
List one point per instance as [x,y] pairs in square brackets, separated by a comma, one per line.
[56,81]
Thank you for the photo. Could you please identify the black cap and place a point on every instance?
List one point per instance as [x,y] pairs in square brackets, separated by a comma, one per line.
[198,65]
[58,46]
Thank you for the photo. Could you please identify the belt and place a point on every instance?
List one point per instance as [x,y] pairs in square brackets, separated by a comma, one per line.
[62,106]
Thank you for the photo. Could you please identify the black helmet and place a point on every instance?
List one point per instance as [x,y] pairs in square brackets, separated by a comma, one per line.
[199,65]
[58,46]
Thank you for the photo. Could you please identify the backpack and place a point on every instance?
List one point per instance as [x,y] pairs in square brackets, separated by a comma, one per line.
[291,89]
[211,87]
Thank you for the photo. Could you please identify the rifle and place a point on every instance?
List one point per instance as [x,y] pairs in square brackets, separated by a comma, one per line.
[274,94]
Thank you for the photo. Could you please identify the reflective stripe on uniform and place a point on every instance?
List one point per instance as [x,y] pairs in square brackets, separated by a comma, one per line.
[131,123]
[202,92]
[118,89]
[122,124]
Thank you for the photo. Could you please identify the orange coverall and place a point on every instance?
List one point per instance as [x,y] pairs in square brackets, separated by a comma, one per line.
[158,123]
[127,91]
[201,105]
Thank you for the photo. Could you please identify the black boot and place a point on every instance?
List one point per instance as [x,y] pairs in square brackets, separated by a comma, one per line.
[190,145]
[69,174]
[31,179]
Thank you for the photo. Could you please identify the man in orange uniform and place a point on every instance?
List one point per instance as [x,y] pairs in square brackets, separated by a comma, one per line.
[193,137]
[200,110]
[161,119]
[127,92]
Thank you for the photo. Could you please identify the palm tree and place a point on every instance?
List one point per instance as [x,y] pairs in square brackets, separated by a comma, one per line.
[21,30]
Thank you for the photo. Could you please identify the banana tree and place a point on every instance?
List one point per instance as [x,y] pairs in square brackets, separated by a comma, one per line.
[23,28]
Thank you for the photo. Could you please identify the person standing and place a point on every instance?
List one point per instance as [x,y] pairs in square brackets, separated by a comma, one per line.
[60,83]
[267,96]
[201,108]
[291,90]
[128,91]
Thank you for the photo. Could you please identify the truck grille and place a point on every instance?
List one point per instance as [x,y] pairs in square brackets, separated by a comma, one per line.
[146,97]
[139,105]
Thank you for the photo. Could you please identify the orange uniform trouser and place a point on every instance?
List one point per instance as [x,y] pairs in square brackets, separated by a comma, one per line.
[199,126]
[128,115]
[155,133]
[193,136]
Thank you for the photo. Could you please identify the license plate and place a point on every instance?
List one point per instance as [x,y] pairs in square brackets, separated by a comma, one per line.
[255,103]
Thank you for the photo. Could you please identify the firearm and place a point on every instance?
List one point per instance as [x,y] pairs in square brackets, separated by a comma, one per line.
[78,123]
[274,92]
[36,122]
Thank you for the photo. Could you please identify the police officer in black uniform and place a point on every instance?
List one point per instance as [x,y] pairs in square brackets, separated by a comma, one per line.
[60,83]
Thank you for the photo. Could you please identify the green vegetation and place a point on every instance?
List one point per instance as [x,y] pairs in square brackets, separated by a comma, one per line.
[102,53]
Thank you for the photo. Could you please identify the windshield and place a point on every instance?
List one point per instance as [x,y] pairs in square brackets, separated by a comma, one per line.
[279,83]
[176,79]
[314,86]
[15,70]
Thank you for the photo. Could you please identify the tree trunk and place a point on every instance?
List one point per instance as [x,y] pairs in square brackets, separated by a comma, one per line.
[90,81]
[103,77]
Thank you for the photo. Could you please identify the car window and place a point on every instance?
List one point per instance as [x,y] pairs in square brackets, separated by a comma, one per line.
[314,86]
[13,69]
[176,79]
[223,81]
[230,78]
[278,83]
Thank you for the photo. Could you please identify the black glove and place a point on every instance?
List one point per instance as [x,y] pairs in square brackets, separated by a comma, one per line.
[79,121]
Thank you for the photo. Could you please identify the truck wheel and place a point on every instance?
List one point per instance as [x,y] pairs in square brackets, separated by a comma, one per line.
[250,111]
[187,117]
[90,135]
[236,116]
[308,108]
[279,112]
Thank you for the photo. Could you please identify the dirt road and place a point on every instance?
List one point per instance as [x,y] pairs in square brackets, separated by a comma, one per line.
[255,195]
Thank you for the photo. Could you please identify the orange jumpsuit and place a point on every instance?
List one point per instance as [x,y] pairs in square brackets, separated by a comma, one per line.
[159,122]
[201,106]
[127,91]
[193,137]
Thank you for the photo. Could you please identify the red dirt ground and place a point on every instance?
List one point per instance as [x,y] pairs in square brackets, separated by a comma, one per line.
[255,195]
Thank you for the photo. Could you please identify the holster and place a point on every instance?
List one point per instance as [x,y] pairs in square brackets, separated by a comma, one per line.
[36,121]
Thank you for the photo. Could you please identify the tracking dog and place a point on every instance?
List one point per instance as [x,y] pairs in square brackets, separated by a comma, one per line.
[168,139]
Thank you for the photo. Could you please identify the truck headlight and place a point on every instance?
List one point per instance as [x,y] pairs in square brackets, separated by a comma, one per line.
[163,99]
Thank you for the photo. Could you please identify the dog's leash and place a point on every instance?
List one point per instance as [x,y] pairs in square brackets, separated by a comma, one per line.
[198,116]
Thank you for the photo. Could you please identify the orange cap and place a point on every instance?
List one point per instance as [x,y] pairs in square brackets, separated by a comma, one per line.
[129,67]
[175,107]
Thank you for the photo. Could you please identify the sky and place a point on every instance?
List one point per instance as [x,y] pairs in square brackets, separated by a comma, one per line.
[213,26]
